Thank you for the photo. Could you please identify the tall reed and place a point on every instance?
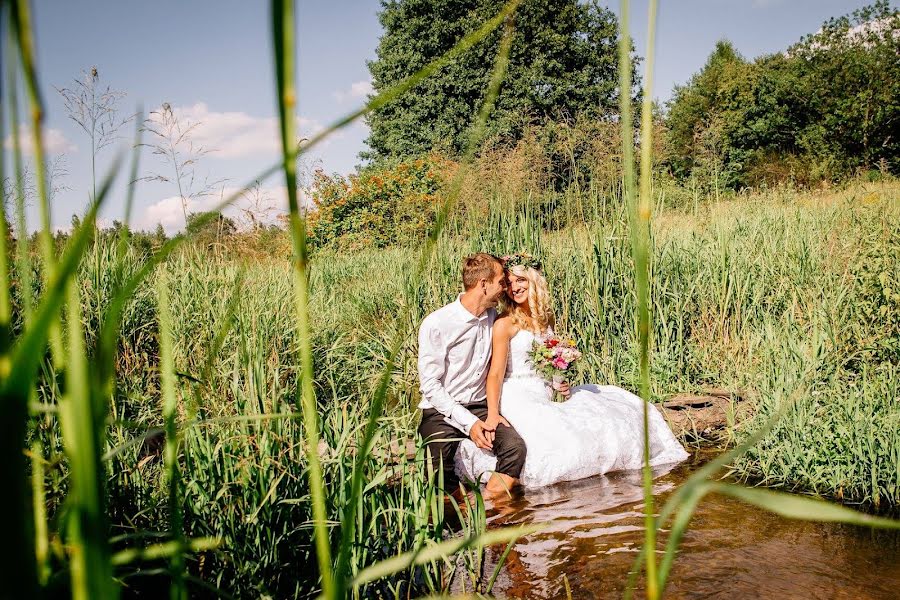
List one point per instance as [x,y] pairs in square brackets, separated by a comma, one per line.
[639,220]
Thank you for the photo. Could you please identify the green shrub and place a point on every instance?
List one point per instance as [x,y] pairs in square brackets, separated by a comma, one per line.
[378,207]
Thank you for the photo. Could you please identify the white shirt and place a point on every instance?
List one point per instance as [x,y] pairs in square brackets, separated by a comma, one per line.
[454,355]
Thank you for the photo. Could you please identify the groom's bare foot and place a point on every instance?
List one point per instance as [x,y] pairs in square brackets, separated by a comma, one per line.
[499,486]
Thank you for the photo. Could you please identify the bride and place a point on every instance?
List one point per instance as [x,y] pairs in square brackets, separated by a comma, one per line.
[598,429]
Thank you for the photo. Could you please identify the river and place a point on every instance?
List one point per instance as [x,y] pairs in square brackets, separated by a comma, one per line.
[594,528]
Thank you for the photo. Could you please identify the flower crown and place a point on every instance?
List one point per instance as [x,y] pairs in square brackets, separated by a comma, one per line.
[521,260]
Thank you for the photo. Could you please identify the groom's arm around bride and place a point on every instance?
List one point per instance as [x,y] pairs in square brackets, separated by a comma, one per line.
[454,355]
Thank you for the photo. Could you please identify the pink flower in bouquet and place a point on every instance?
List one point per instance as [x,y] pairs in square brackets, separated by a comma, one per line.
[553,357]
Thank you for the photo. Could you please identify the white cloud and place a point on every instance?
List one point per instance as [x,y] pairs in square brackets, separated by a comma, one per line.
[262,205]
[167,212]
[358,90]
[55,142]
[237,134]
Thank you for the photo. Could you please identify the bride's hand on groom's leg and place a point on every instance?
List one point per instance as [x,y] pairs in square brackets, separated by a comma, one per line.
[482,437]
[490,426]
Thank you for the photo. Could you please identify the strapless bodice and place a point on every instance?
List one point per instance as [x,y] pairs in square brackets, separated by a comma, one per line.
[518,361]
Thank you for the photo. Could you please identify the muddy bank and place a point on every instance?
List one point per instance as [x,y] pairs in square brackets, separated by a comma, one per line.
[704,418]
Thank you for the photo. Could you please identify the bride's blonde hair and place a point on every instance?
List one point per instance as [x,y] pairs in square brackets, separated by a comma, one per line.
[538,301]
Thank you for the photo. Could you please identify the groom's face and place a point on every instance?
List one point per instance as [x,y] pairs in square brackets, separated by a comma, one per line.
[495,287]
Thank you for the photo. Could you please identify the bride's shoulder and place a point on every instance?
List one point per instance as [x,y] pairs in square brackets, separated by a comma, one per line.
[504,327]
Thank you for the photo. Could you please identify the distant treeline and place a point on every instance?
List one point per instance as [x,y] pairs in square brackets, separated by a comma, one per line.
[826,109]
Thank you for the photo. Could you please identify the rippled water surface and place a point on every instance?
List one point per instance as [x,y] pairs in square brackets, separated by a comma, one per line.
[731,550]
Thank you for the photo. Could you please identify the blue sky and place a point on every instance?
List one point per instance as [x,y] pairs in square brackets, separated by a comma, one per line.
[211,61]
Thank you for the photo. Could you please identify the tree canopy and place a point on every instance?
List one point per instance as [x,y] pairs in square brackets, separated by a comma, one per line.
[563,64]
[825,109]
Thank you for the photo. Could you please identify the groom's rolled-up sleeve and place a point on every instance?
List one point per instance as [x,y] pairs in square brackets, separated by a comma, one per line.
[432,357]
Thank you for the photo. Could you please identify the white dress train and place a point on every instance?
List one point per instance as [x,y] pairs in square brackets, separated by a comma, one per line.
[599,429]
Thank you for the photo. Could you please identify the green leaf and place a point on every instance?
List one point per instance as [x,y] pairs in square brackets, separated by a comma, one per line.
[802,508]
[436,551]
[164,550]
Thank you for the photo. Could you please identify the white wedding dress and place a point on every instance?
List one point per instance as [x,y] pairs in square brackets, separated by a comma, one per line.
[597,430]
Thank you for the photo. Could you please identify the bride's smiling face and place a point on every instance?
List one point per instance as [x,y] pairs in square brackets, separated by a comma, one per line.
[517,288]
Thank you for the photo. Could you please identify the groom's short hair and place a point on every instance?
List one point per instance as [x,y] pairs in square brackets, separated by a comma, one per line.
[479,266]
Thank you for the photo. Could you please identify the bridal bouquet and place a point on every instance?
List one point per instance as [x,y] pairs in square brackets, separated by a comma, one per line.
[553,356]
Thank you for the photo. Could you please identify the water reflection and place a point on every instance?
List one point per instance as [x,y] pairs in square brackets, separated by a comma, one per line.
[594,528]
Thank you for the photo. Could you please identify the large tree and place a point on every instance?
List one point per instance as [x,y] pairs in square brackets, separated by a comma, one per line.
[828,107]
[853,86]
[563,64]
[695,126]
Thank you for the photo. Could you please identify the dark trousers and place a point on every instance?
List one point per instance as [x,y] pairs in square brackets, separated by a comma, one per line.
[442,440]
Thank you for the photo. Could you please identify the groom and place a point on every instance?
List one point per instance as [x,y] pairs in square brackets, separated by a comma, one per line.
[454,355]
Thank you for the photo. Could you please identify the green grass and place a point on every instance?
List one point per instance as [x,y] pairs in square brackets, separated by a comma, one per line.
[747,295]
[74,399]
[198,424]
[757,337]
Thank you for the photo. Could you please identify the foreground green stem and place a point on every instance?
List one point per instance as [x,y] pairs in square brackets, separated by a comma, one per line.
[639,218]
[283,17]
[177,589]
